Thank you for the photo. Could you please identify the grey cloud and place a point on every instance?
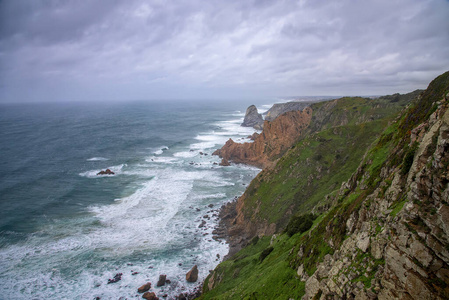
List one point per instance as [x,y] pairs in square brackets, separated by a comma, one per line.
[124,48]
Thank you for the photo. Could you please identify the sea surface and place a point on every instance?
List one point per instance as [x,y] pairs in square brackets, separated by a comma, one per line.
[65,231]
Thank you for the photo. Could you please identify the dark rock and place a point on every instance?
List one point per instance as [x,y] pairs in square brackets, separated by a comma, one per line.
[168,281]
[134,273]
[253,118]
[211,205]
[144,287]
[203,223]
[161,280]
[192,275]
[182,297]
[106,172]
[116,278]
[150,296]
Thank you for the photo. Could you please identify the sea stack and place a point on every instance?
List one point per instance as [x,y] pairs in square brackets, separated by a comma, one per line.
[253,118]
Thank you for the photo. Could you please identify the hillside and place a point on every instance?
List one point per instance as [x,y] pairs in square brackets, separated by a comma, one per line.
[358,207]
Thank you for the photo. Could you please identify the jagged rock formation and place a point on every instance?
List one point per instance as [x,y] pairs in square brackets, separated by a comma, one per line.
[277,136]
[382,226]
[397,244]
[280,108]
[253,118]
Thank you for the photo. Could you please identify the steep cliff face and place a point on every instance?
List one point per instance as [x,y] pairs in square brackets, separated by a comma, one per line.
[382,216]
[253,118]
[277,136]
[394,243]
[281,108]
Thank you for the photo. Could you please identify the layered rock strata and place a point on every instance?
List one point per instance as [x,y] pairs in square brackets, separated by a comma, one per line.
[276,138]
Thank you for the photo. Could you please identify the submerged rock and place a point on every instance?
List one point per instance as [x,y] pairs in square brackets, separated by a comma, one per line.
[106,172]
[116,278]
[192,275]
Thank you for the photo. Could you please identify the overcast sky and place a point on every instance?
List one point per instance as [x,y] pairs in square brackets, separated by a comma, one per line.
[136,49]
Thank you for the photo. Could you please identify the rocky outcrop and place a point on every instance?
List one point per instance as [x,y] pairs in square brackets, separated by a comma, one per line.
[161,281]
[280,108]
[253,118]
[397,238]
[276,138]
[106,172]
[192,275]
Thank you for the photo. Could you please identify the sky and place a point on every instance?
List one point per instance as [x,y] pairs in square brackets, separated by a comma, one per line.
[136,50]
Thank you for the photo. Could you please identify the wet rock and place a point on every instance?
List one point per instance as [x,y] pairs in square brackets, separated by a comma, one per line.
[181,297]
[134,273]
[106,172]
[161,281]
[225,162]
[203,223]
[116,278]
[150,296]
[192,275]
[210,205]
[144,288]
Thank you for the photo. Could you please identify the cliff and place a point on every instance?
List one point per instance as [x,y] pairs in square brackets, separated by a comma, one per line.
[253,118]
[277,136]
[280,108]
[357,208]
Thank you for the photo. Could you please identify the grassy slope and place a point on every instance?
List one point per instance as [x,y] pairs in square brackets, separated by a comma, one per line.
[320,162]
[330,157]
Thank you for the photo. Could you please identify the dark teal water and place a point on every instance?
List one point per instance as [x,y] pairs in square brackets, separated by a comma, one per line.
[64,231]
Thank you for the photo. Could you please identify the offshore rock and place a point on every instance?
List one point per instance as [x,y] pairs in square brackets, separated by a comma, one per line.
[150,296]
[106,172]
[253,118]
[144,287]
[192,275]
[161,281]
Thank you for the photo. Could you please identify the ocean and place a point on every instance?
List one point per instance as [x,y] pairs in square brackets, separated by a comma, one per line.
[65,231]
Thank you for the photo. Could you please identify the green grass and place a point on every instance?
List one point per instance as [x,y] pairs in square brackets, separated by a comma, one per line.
[245,277]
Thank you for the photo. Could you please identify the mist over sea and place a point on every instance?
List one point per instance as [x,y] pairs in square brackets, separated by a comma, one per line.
[64,231]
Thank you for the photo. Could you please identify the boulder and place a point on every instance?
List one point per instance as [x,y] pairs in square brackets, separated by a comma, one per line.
[106,172]
[144,288]
[192,275]
[253,118]
[150,296]
[161,281]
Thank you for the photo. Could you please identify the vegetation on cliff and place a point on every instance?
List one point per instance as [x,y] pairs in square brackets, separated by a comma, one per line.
[375,176]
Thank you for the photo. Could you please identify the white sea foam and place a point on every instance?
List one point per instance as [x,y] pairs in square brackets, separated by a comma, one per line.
[160,150]
[162,159]
[97,159]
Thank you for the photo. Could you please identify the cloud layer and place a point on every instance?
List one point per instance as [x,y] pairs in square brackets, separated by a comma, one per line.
[124,50]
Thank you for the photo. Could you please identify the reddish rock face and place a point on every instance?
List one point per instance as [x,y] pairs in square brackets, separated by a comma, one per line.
[150,296]
[276,138]
[144,287]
